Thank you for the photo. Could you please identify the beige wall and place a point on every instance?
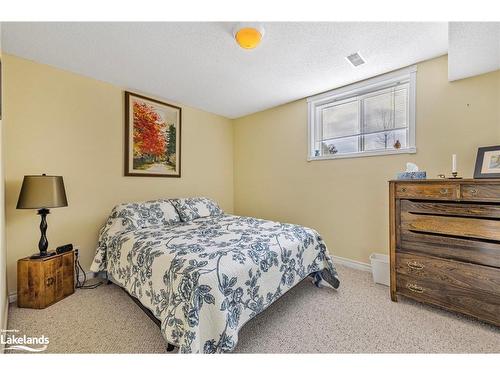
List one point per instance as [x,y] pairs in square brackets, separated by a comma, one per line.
[346,200]
[3,267]
[61,123]
[65,124]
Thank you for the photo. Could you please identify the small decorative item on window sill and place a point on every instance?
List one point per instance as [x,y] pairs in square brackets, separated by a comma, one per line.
[412,173]
[332,149]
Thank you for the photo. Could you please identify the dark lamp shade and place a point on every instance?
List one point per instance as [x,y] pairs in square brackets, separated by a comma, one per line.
[42,192]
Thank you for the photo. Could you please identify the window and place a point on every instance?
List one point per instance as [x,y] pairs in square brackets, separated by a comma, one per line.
[373,117]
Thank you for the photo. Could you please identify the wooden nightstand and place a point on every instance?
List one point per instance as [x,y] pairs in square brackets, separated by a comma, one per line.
[43,282]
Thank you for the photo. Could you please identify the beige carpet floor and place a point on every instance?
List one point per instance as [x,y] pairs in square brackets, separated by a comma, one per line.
[358,318]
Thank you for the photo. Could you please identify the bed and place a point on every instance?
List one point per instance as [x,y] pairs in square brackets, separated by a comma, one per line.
[202,273]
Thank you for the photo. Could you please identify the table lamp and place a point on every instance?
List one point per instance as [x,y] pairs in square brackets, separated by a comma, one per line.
[42,192]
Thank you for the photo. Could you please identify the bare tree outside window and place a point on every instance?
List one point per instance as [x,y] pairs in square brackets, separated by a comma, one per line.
[384,121]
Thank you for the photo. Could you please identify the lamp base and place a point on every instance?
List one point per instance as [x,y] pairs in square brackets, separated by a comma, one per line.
[43,255]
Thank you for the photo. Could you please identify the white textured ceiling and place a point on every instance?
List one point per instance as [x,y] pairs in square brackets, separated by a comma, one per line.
[474,49]
[199,64]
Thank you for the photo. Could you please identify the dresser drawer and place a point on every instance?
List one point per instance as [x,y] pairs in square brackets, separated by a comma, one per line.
[476,303]
[464,209]
[426,191]
[462,287]
[464,227]
[480,192]
[451,230]
[461,249]
[459,274]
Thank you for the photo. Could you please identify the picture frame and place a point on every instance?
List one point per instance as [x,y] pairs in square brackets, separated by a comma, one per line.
[487,162]
[152,137]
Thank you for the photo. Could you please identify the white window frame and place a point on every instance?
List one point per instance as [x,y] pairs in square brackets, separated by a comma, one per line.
[354,92]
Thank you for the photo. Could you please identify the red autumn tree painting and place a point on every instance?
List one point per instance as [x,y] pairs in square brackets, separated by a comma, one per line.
[149,140]
[154,137]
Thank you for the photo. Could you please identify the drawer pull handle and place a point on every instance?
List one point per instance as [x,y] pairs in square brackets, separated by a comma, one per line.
[415,265]
[443,191]
[415,288]
[473,191]
[403,190]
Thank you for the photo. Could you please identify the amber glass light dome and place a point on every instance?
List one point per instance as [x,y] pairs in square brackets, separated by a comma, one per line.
[248,37]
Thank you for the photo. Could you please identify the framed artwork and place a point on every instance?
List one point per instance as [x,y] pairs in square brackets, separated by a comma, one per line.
[152,137]
[488,162]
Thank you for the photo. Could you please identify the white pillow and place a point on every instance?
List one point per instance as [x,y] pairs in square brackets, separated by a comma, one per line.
[145,214]
[194,208]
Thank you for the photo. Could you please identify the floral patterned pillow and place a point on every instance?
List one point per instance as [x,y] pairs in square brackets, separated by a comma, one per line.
[145,214]
[194,208]
[127,217]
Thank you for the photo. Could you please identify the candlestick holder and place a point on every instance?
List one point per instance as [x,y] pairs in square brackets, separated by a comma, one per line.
[454,176]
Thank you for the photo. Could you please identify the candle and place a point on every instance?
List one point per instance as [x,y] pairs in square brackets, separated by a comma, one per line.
[454,163]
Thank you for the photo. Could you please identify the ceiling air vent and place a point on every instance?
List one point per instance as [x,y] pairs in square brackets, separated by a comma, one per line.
[355,59]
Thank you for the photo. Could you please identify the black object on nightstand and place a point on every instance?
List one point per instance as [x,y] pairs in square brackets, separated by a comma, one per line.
[64,248]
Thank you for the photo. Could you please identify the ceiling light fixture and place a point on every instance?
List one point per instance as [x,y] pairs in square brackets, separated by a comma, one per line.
[248,36]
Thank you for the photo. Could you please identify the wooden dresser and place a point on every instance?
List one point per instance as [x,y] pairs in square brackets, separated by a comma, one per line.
[42,282]
[445,244]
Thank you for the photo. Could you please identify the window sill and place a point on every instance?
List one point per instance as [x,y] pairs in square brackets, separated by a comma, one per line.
[411,150]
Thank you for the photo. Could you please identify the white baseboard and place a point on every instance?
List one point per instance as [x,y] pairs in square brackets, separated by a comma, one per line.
[352,263]
[13,295]
[89,275]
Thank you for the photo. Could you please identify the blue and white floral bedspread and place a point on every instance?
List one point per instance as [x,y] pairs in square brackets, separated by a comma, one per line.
[206,278]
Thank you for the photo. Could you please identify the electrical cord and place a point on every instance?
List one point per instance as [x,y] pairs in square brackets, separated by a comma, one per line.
[81,284]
